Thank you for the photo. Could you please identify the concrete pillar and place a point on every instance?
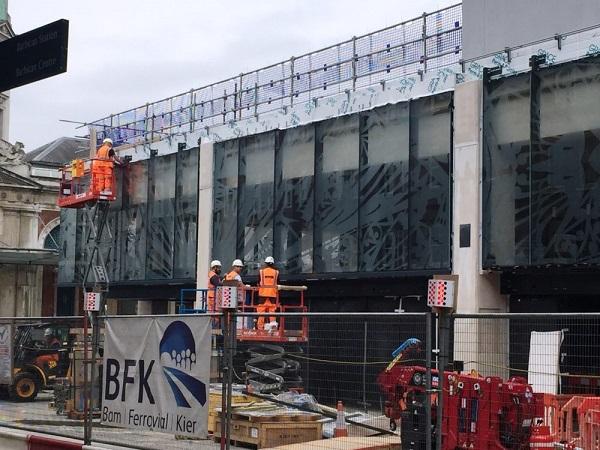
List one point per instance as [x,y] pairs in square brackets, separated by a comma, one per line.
[28,232]
[205,208]
[486,340]
[144,307]
[8,281]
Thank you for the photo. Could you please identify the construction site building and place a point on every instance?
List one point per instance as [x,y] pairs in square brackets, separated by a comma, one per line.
[441,145]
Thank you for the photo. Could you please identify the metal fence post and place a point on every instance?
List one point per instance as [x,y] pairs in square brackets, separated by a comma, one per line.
[224,360]
[444,318]
[192,109]
[424,37]
[240,92]
[428,338]
[229,320]
[354,61]
[292,81]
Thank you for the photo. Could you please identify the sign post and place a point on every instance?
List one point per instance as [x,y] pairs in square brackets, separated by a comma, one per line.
[228,298]
[35,55]
[442,292]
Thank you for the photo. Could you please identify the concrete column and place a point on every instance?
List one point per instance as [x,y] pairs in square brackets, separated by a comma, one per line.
[8,281]
[28,231]
[485,341]
[144,307]
[205,208]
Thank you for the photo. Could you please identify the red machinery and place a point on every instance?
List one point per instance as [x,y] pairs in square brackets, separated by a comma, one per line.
[78,186]
[484,413]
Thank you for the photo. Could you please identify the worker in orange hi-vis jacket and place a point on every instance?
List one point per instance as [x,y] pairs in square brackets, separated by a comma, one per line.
[102,168]
[267,291]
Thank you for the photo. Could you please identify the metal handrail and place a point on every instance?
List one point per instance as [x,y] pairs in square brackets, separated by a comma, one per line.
[233,104]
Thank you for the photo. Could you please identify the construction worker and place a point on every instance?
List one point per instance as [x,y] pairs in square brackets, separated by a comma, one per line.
[102,168]
[214,280]
[267,292]
[234,274]
[52,345]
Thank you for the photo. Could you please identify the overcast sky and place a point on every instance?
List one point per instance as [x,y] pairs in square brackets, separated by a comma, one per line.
[124,53]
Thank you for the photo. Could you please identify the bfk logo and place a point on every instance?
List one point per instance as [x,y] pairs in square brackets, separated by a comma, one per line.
[177,352]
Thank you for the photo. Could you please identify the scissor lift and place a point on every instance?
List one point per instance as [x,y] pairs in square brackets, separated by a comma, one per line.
[78,191]
[270,367]
[268,364]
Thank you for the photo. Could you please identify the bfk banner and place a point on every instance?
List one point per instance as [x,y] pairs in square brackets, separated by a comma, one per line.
[156,374]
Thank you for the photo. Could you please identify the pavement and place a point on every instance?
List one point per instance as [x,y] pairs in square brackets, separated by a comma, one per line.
[37,416]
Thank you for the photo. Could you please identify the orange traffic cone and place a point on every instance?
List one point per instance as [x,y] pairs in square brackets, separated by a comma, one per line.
[340,429]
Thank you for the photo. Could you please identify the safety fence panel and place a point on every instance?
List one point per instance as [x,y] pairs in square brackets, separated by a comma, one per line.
[519,370]
[293,374]
[42,374]
[290,387]
[430,41]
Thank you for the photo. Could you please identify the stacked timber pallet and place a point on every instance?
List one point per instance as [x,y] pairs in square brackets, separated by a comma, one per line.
[214,402]
[267,425]
[347,443]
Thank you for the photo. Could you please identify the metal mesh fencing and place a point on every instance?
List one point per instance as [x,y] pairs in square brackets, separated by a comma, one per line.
[429,41]
[42,374]
[521,371]
[506,372]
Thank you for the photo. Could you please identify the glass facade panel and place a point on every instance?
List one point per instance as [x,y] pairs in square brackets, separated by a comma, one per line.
[67,247]
[161,217]
[255,199]
[133,222]
[294,203]
[565,171]
[186,214]
[506,172]
[225,188]
[336,195]
[152,223]
[430,208]
[384,150]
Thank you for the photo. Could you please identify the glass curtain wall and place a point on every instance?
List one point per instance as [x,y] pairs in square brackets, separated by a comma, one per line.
[255,200]
[565,203]
[134,222]
[506,171]
[367,192]
[186,214]
[542,195]
[384,189]
[153,223]
[161,217]
[225,191]
[67,245]
[336,195]
[429,199]
[294,199]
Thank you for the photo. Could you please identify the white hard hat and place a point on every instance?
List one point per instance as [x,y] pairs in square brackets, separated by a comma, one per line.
[215,263]
[107,141]
[270,260]
[237,263]
[48,332]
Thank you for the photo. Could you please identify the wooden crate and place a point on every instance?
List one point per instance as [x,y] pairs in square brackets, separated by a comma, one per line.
[347,443]
[272,431]
[214,403]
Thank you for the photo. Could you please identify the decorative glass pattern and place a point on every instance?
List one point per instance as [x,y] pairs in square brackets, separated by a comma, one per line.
[384,176]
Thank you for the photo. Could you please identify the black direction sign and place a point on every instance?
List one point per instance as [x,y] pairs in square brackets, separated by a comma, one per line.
[35,55]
